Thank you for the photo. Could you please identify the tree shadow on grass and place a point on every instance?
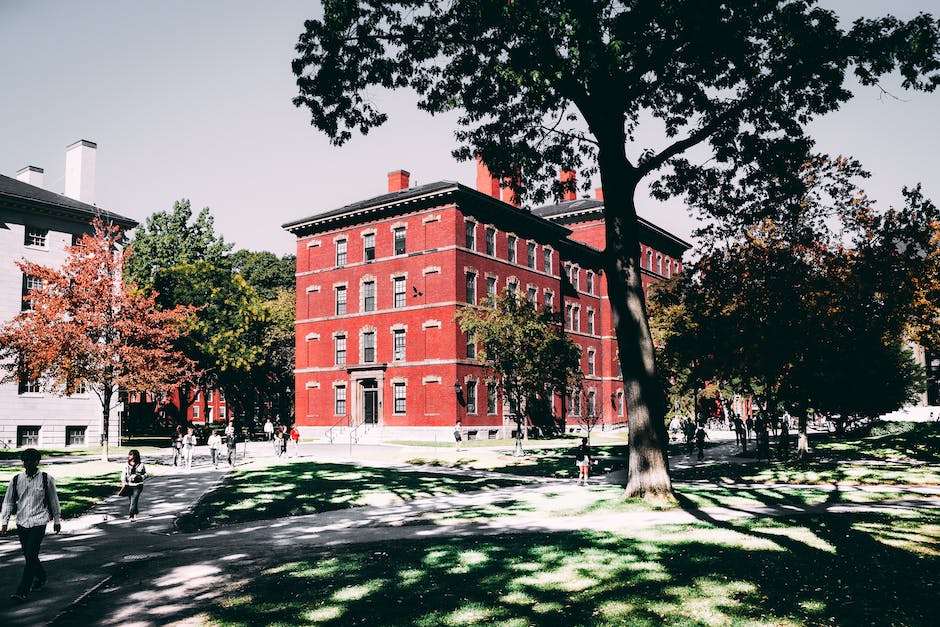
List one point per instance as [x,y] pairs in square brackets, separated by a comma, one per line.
[309,488]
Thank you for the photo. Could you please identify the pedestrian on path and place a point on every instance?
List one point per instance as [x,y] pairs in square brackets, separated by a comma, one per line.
[784,442]
[132,482]
[268,430]
[176,440]
[230,442]
[32,495]
[763,440]
[295,438]
[583,461]
[276,441]
[215,447]
[749,425]
[700,437]
[739,431]
[458,436]
[689,431]
[189,445]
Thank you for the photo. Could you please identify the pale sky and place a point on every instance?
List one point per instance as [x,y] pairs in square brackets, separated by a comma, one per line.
[193,99]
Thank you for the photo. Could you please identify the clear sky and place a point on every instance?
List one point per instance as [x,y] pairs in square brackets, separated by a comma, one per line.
[192,99]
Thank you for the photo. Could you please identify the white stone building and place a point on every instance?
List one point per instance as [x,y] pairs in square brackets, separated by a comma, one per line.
[37,224]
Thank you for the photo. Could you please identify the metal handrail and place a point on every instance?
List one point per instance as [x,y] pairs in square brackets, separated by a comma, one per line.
[329,434]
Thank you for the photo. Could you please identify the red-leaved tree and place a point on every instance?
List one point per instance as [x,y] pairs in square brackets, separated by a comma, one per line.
[85,328]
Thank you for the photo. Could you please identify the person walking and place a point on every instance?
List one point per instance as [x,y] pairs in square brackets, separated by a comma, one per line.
[458,437]
[583,461]
[230,442]
[784,442]
[32,495]
[700,436]
[230,428]
[285,436]
[215,447]
[176,441]
[132,482]
[277,441]
[268,430]
[295,438]
[189,445]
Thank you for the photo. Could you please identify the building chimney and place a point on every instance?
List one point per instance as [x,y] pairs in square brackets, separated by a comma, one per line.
[31,175]
[398,180]
[569,181]
[509,196]
[80,160]
[486,182]
[599,193]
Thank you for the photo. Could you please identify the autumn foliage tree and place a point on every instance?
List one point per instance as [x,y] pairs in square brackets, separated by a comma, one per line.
[86,329]
[621,89]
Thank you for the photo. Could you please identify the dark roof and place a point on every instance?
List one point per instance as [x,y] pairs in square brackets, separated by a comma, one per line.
[24,195]
[587,209]
[471,200]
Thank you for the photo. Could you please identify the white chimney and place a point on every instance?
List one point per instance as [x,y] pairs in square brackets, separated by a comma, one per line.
[31,175]
[80,171]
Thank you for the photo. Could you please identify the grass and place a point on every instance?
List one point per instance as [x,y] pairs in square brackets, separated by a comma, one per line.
[866,569]
[146,446]
[308,487]
[555,462]
[78,488]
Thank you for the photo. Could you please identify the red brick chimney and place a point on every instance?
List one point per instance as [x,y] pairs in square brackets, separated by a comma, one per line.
[486,182]
[569,179]
[398,180]
[599,193]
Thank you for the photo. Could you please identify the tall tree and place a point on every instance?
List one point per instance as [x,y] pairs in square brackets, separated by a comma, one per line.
[541,85]
[85,327]
[267,273]
[174,238]
[528,350]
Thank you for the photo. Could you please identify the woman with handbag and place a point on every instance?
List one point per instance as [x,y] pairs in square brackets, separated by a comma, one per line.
[132,481]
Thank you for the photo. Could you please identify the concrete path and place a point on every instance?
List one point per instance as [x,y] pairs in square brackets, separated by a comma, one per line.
[105,570]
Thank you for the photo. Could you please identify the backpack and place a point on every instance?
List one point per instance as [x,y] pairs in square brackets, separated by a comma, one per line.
[45,493]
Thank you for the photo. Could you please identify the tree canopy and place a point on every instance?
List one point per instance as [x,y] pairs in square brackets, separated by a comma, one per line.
[580,84]
[85,328]
[529,353]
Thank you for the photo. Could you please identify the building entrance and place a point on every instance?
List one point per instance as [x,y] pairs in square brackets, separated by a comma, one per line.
[370,401]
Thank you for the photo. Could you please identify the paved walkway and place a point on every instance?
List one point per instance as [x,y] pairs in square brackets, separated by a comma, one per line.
[105,570]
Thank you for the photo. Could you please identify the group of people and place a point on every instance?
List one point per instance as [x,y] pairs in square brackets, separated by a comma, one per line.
[184,445]
[279,436]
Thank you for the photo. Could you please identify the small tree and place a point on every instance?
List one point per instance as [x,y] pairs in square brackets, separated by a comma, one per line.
[528,351]
[86,328]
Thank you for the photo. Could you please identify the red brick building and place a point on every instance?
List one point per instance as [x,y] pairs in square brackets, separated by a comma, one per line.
[379,281]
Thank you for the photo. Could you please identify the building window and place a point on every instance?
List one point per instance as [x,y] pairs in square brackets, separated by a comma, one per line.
[491,290]
[339,400]
[35,237]
[210,395]
[209,414]
[368,246]
[576,277]
[471,235]
[490,241]
[547,260]
[29,386]
[668,269]
[29,283]
[368,347]
[341,253]
[659,262]
[649,259]
[398,345]
[590,282]
[341,300]
[472,288]
[471,347]
[590,362]
[222,413]
[620,403]
[511,240]
[512,287]
[592,404]
[530,255]
[399,289]
[399,396]
[590,323]
[491,399]
[27,436]
[533,294]
[574,403]
[368,296]
[400,246]
[569,321]
[549,300]
[471,397]
[75,436]
[195,412]
[576,319]
[339,351]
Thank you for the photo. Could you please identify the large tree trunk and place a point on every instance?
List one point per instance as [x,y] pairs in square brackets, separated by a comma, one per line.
[106,396]
[648,466]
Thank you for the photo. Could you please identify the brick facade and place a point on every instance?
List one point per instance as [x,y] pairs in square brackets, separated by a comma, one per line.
[379,281]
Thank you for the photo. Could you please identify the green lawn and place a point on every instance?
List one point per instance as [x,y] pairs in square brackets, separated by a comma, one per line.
[867,569]
[537,462]
[309,487]
[77,493]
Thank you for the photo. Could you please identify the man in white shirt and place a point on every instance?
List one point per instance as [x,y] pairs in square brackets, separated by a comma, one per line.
[32,494]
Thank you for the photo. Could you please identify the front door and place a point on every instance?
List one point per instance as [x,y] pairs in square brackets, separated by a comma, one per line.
[370,402]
